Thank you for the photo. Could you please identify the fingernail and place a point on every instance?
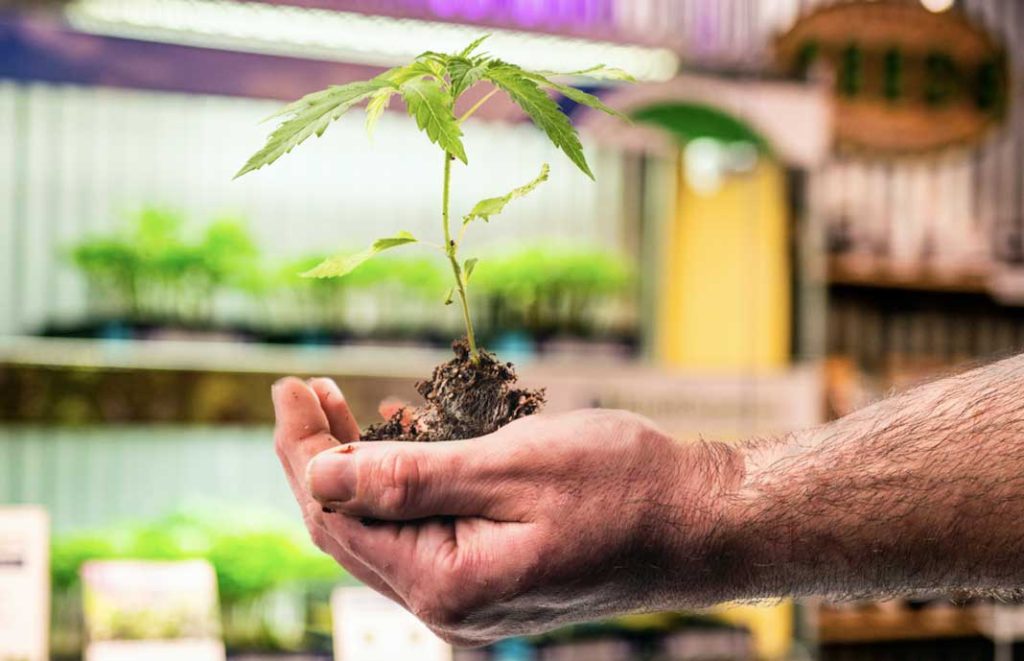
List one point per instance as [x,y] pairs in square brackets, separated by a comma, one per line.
[275,389]
[331,477]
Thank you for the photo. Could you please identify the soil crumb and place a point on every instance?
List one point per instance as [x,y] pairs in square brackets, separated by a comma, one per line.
[463,400]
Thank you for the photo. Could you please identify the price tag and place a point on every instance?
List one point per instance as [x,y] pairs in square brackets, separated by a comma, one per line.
[24,583]
[371,627]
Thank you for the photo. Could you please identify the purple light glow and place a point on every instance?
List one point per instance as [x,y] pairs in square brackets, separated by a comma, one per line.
[571,12]
[524,13]
[476,10]
[529,13]
[445,8]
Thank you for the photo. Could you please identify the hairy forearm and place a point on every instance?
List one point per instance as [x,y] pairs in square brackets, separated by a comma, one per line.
[920,492]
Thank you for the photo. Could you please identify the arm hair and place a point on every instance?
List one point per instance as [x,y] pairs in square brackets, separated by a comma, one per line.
[919,493]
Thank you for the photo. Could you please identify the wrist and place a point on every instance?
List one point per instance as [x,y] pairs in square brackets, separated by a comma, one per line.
[706,522]
[749,548]
[775,539]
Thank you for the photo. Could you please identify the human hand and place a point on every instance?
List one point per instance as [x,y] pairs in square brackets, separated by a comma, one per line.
[552,519]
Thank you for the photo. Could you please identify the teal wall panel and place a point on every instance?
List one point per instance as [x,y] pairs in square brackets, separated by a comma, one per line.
[95,476]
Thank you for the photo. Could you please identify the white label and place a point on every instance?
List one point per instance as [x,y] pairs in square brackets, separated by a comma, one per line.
[151,611]
[24,583]
[371,627]
[155,650]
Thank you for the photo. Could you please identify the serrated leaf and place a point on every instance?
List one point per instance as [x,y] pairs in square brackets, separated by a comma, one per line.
[492,206]
[434,56]
[541,108]
[431,106]
[577,95]
[600,72]
[433,63]
[464,73]
[395,75]
[335,267]
[377,105]
[300,104]
[400,75]
[467,268]
[449,296]
[310,116]
[473,45]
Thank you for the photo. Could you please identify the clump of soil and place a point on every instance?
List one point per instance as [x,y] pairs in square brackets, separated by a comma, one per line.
[464,399]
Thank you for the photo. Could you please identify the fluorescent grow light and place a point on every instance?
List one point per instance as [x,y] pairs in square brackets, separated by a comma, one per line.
[347,36]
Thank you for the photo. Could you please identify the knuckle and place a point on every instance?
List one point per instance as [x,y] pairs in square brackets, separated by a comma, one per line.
[398,480]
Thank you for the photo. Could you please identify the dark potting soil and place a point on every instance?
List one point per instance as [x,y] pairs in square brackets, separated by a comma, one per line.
[464,399]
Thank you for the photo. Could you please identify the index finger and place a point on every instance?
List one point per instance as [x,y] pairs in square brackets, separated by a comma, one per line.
[302,429]
[339,417]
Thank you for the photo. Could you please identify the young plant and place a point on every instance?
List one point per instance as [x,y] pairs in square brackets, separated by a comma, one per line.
[430,86]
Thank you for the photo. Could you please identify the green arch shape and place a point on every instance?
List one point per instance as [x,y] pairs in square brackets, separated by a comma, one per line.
[687,121]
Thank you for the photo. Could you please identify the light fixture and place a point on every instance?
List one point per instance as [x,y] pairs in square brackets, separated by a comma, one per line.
[937,6]
[348,36]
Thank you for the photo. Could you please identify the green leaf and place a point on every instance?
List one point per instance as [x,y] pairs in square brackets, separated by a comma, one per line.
[301,104]
[395,75]
[449,296]
[400,75]
[577,95]
[432,107]
[468,50]
[467,268]
[433,56]
[600,72]
[433,63]
[310,116]
[335,267]
[464,73]
[541,108]
[492,206]
[377,105]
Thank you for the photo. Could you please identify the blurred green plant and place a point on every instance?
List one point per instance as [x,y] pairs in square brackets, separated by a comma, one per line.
[254,559]
[551,290]
[159,275]
[324,302]
[111,267]
[150,271]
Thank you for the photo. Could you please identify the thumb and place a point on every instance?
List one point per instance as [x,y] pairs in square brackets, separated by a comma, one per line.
[402,481]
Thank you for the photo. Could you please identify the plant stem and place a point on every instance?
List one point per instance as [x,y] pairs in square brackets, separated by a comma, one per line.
[476,106]
[450,249]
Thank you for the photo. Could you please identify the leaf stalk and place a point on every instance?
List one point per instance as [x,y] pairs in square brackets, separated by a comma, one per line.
[476,106]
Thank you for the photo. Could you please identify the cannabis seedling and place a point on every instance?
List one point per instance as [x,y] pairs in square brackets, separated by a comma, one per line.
[430,85]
